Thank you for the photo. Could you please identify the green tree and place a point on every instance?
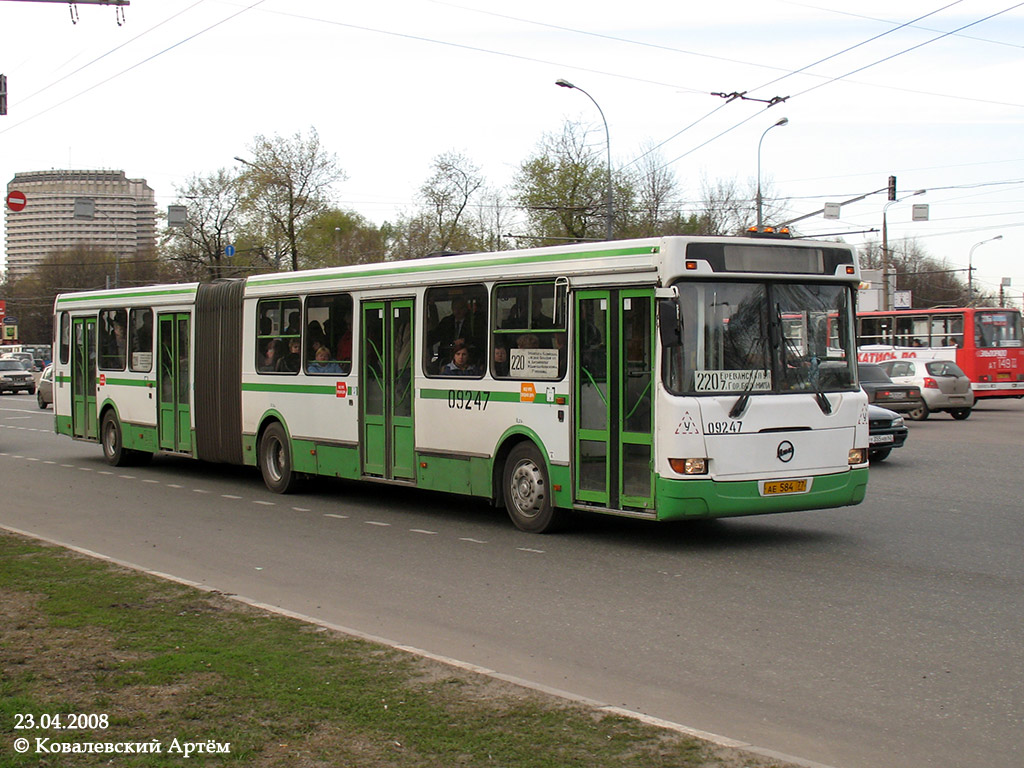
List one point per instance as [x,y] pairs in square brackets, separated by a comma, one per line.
[337,238]
[562,187]
[284,187]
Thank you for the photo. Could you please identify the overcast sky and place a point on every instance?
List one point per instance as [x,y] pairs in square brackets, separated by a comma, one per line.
[183,86]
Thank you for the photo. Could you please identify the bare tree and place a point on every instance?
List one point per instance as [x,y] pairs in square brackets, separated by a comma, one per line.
[284,187]
[446,196]
[198,249]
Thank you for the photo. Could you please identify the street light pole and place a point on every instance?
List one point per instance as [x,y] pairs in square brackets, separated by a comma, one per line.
[608,143]
[783,121]
[970,268]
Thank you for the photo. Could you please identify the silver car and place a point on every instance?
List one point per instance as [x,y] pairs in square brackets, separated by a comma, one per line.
[943,384]
[44,389]
[13,377]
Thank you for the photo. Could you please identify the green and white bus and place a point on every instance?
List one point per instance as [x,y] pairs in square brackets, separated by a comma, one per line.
[654,378]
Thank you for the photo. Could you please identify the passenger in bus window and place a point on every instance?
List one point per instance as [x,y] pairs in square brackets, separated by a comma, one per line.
[323,363]
[293,324]
[460,365]
[500,360]
[292,360]
[344,348]
[274,354]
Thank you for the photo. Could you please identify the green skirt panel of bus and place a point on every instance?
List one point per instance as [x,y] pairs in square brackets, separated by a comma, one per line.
[692,499]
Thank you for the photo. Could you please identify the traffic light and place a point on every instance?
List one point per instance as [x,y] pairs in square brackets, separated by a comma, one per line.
[892,187]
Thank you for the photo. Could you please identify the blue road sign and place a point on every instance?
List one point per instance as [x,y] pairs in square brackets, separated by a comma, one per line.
[229,250]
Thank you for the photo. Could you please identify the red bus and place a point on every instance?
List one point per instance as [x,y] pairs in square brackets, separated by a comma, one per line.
[986,342]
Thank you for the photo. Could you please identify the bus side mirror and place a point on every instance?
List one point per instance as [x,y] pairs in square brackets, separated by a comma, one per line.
[670,323]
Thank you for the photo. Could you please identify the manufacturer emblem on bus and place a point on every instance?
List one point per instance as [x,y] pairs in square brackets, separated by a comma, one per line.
[785,451]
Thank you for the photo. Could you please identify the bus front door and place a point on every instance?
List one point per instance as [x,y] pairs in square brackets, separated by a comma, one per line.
[614,397]
[386,387]
[83,378]
[174,406]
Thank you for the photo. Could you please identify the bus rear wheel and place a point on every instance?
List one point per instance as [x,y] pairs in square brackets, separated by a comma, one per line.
[276,460]
[528,493]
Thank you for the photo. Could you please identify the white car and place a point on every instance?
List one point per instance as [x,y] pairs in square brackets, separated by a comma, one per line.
[943,384]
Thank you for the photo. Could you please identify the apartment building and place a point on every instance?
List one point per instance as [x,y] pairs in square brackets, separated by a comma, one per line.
[123,221]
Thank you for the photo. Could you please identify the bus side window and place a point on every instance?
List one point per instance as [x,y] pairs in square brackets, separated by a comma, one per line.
[65,338]
[113,339]
[329,334]
[529,333]
[140,337]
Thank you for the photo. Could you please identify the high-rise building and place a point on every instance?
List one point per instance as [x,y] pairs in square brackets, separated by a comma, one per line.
[123,220]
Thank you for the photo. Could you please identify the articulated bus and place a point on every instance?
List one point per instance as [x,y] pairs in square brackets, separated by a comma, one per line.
[647,378]
[987,343]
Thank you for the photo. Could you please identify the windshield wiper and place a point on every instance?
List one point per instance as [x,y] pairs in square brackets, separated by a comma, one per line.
[741,402]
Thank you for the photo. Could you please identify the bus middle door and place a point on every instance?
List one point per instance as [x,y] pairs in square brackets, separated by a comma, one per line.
[613,398]
[386,387]
[174,404]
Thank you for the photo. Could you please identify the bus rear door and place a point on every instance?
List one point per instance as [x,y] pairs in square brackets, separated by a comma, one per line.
[614,362]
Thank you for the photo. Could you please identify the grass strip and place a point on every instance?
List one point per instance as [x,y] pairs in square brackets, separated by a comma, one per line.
[167,662]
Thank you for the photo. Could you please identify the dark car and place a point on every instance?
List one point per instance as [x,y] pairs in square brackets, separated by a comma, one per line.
[886,431]
[13,377]
[881,390]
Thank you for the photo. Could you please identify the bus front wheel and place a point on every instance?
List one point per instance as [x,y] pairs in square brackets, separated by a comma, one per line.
[276,460]
[527,491]
[110,436]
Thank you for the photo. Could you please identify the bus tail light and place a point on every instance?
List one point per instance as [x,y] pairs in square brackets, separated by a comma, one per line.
[858,456]
[689,466]
[930,383]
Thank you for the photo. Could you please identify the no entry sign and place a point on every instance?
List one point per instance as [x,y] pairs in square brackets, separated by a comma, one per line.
[16,200]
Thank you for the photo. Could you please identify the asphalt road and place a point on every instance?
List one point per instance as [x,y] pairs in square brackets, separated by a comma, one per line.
[888,634]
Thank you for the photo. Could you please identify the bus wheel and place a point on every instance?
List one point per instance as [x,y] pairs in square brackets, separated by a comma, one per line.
[276,460]
[920,413]
[110,437]
[527,491]
[960,413]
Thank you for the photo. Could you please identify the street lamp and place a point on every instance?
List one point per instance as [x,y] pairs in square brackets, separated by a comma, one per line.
[608,142]
[970,268]
[885,247]
[783,121]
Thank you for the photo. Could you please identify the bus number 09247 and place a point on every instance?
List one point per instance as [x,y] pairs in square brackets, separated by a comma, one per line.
[465,399]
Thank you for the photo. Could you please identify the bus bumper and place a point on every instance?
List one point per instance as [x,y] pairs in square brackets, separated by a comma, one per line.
[696,499]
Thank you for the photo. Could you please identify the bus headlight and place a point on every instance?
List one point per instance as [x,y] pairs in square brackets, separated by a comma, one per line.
[689,466]
[858,456]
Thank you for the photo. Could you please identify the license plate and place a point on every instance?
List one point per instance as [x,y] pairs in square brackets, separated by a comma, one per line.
[776,487]
[957,398]
[897,395]
[876,439]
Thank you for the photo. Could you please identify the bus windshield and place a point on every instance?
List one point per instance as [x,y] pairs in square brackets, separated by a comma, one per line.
[762,337]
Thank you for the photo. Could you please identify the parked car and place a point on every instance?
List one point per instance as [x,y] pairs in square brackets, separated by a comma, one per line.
[13,377]
[44,389]
[943,384]
[886,431]
[881,390]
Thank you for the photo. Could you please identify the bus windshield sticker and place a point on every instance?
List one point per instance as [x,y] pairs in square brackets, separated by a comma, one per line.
[525,363]
[732,381]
